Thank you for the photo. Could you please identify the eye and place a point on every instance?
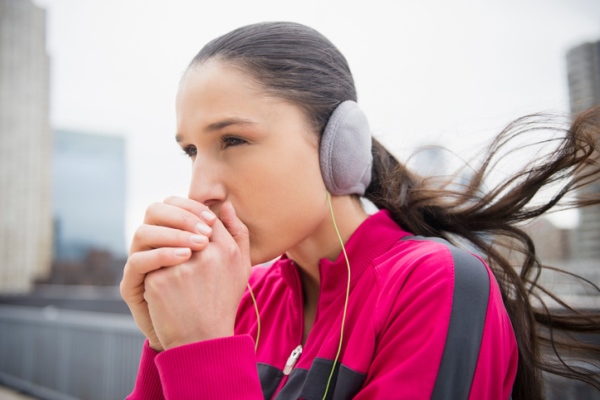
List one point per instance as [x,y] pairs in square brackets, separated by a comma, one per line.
[190,150]
[230,141]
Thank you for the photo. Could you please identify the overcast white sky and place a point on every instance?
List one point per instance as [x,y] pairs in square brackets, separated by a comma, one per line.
[428,71]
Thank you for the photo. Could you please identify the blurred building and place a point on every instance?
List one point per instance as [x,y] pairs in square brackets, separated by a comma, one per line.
[88,195]
[583,64]
[430,161]
[25,146]
[552,244]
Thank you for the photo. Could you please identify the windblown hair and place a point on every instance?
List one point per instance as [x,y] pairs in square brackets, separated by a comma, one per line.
[296,63]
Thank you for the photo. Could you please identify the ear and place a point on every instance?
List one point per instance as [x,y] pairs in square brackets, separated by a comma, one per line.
[345,151]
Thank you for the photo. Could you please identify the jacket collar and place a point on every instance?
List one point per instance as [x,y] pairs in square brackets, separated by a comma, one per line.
[370,240]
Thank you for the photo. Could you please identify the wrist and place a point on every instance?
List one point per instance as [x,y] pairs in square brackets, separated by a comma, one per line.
[197,338]
[156,346]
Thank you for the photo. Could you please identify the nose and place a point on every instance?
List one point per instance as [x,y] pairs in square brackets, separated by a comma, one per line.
[207,185]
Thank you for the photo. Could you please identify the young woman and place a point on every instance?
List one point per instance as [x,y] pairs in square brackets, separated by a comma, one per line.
[360,306]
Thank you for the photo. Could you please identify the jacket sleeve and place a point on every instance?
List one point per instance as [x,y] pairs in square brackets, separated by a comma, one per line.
[147,384]
[223,368]
[444,335]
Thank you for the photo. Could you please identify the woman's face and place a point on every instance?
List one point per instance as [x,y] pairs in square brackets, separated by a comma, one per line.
[254,150]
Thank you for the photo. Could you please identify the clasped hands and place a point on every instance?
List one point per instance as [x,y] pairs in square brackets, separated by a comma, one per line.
[186,272]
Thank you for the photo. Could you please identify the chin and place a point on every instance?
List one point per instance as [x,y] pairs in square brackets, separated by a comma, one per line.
[262,256]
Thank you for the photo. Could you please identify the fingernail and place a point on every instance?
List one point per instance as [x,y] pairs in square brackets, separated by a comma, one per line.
[203,229]
[182,252]
[199,239]
[208,216]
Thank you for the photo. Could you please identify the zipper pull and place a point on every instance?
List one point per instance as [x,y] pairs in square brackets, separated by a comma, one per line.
[289,365]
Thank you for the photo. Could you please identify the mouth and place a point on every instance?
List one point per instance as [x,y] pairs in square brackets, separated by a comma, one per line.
[216,209]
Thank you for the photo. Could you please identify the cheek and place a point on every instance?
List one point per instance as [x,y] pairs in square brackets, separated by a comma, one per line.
[285,206]
[280,232]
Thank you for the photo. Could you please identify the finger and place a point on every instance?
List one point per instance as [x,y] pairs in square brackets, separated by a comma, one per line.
[236,228]
[148,237]
[196,208]
[171,216]
[141,263]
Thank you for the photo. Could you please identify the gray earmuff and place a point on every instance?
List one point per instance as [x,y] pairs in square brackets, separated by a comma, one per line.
[345,152]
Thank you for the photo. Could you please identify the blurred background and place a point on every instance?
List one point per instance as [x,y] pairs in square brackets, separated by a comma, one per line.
[87,126]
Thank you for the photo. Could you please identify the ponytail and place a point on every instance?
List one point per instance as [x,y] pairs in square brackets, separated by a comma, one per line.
[487,220]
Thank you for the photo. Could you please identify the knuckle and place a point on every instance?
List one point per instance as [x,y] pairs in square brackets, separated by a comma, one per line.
[165,256]
[133,264]
[185,272]
[131,261]
[180,237]
[151,210]
[186,219]
[122,288]
[154,281]
[209,258]
[231,250]
[139,233]
[170,199]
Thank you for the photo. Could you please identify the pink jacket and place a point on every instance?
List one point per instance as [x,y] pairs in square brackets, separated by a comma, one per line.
[425,320]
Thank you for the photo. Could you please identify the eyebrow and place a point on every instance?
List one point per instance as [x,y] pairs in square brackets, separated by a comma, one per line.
[216,126]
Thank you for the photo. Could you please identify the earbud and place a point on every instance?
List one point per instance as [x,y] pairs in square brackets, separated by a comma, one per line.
[345,151]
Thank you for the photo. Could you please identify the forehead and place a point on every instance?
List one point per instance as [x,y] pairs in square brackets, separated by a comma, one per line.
[216,81]
[215,90]
[212,91]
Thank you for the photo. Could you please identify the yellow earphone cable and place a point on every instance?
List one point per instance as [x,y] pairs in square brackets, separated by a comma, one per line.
[257,316]
[339,350]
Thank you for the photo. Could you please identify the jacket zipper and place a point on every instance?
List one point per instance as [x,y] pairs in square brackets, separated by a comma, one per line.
[291,362]
[289,366]
[295,355]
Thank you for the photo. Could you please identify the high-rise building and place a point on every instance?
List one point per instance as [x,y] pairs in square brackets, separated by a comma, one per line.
[88,194]
[25,147]
[583,64]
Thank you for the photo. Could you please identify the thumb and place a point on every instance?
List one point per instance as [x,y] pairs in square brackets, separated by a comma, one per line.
[236,229]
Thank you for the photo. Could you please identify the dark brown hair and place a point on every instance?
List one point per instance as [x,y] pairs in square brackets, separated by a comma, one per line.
[299,64]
